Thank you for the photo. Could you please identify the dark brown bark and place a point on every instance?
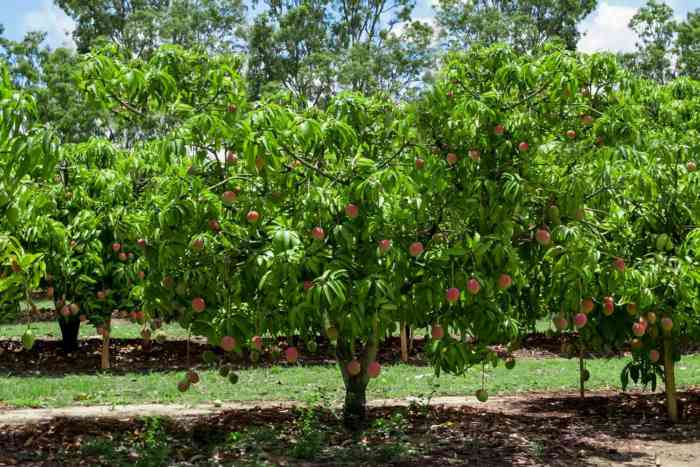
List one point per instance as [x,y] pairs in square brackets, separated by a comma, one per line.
[404,343]
[70,329]
[104,361]
[355,406]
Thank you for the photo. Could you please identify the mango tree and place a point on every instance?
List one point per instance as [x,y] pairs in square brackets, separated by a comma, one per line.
[83,222]
[28,151]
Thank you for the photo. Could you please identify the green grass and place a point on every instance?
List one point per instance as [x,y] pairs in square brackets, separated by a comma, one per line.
[300,383]
[543,325]
[40,303]
[122,330]
[127,329]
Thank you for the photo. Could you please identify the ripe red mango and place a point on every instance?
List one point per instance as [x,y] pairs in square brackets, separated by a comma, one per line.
[354,368]
[291,354]
[415,249]
[473,286]
[318,233]
[352,211]
[228,343]
[373,369]
[198,304]
[452,294]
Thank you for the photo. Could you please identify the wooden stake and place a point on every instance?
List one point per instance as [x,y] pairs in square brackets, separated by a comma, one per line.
[669,372]
[581,369]
[105,347]
[404,343]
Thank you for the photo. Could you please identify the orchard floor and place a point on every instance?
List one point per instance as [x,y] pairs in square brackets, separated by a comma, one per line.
[539,429]
[60,409]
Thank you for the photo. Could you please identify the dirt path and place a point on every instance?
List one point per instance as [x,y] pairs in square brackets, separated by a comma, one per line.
[177,411]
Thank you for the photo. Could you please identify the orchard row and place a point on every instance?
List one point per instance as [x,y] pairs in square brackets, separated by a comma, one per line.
[515,188]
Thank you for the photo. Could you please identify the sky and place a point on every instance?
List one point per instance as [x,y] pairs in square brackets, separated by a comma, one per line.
[605,29]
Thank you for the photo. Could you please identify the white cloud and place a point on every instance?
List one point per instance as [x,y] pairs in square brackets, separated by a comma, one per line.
[51,19]
[607,30]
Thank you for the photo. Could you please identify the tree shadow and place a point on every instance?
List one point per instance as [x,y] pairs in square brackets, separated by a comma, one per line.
[397,436]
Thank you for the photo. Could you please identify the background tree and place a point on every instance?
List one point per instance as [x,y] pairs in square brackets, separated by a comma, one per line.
[655,26]
[524,24]
[140,26]
[688,45]
[49,76]
[316,48]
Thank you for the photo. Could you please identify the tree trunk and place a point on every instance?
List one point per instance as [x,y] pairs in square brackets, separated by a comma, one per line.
[355,406]
[147,344]
[105,348]
[404,343]
[70,329]
[670,376]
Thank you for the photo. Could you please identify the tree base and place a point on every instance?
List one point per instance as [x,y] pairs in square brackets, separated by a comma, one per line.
[70,330]
[355,407]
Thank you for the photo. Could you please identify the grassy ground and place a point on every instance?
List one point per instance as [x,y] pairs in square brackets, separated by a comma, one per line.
[121,330]
[302,383]
[126,329]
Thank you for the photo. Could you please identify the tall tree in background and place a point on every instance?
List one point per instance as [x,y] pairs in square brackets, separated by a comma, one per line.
[655,26]
[688,45]
[313,48]
[525,24]
[49,76]
[142,25]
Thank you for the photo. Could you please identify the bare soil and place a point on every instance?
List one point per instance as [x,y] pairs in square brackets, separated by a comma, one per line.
[604,429]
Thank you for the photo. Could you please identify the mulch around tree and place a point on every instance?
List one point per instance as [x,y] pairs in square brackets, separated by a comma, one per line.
[533,430]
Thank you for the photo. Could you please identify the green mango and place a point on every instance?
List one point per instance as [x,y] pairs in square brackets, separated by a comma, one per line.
[669,244]
[553,214]
[181,289]
[160,337]
[661,241]
[12,214]
[311,346]
[28,339]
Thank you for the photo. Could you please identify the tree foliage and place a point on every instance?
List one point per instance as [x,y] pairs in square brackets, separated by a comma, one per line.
[313,49]
[515,186]
[526,25]
[141,26]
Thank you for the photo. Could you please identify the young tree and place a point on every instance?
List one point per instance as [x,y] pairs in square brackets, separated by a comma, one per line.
[83,224]
[27,151]
[266,220]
